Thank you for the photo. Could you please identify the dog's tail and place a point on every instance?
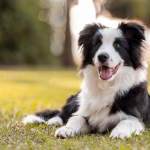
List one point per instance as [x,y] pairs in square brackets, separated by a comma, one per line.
[40,117]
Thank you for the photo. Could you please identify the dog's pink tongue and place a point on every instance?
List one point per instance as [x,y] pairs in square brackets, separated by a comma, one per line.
[105,72]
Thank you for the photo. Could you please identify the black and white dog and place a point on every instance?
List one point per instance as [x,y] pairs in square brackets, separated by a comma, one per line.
[114,92]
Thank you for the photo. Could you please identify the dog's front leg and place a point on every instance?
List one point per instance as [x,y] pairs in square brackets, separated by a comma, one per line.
[75,125]
[126,127]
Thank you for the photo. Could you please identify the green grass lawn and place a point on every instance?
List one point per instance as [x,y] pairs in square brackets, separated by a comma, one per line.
[29,90]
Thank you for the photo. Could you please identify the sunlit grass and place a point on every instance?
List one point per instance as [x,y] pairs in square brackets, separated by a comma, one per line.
[26,91]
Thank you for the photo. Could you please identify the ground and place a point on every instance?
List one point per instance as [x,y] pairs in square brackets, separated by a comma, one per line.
[27,90]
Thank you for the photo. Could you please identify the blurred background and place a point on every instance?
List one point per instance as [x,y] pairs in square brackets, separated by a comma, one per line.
[45,32]
[39,54]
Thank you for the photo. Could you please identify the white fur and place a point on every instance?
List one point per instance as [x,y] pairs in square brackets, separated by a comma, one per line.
[57,121]
[32,119]
[126,127]
[75,125]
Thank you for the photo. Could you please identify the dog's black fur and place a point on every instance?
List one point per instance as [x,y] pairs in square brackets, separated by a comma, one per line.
[134,103]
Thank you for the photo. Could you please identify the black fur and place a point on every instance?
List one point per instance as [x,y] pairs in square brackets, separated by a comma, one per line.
[68,109]
[47,114]
[135,103]
[123,50]
[134,34]
[88,41]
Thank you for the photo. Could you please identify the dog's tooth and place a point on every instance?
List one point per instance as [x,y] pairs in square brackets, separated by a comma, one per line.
[100,68]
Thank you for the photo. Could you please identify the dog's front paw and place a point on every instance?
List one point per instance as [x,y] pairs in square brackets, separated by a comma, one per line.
[119,133]
[65,132]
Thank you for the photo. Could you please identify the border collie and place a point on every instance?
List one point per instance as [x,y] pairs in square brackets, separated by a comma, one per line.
[113,92]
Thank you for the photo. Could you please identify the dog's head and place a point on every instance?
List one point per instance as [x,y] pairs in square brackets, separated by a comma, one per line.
[109,49]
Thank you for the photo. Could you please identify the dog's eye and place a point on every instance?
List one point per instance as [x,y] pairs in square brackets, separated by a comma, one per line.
[117,45]
[98,45]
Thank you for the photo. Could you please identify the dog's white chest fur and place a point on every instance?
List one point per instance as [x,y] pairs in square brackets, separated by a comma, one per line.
[96,105]
[97,97]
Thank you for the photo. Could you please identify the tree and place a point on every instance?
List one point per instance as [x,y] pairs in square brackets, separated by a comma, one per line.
[67,55]
[97,4]
[23,38]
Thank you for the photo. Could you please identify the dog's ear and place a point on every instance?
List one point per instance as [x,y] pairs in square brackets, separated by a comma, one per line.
[87,33]
[134,33]
[133,30]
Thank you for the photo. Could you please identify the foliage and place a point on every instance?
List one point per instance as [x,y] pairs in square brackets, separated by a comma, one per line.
[28,90]
[23,38]
[130,9]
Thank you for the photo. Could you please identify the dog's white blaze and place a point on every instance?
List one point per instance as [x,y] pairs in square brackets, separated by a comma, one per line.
[108,37]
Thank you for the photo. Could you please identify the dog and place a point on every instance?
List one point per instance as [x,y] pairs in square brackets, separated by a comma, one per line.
[113,93]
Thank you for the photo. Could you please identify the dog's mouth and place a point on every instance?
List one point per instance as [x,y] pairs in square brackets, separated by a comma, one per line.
[106,72]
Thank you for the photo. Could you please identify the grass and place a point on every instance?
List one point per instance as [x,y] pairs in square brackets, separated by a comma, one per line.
[28,90]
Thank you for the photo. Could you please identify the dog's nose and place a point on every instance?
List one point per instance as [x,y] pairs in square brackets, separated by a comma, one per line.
[103,57]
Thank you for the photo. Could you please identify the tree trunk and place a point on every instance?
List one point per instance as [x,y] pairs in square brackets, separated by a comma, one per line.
[97,4]
[67,56]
